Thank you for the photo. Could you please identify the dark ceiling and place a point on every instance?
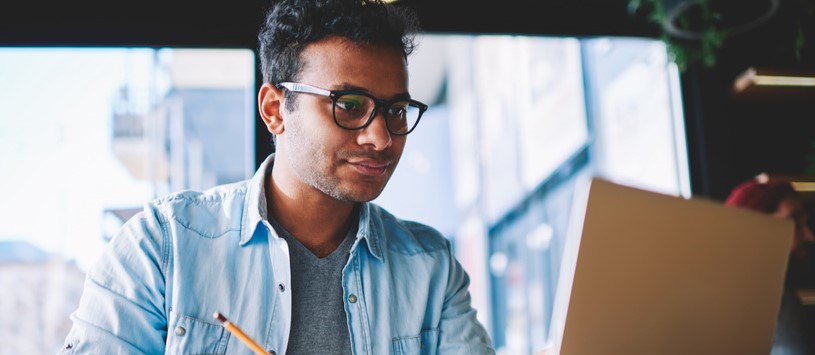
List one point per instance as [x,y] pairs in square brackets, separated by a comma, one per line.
[560,17]
[234,24]
[148,22]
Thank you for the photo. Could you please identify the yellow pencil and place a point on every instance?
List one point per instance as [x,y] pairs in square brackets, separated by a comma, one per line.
[232,328]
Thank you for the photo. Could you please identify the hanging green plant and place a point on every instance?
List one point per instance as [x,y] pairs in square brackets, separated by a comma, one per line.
[695,30]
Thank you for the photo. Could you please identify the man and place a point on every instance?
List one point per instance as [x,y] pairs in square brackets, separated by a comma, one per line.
[296,256]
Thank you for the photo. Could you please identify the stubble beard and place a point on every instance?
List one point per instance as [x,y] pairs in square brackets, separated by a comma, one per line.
[312,163]
[316,174]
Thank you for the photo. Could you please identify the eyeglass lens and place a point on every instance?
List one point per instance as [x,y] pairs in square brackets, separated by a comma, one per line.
[354,111]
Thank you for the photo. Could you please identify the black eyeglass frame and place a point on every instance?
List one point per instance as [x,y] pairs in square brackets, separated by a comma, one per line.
[336,94]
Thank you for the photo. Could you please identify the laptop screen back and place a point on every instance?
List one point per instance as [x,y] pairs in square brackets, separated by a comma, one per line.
[658,274]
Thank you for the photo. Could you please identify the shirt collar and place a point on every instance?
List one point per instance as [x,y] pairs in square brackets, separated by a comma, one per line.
[254,208]
[370,230]
[254,212]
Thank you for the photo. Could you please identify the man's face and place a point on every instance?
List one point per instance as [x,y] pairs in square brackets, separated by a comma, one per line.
[348,165]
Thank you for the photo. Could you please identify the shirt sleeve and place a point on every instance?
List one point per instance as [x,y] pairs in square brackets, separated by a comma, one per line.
[121,310]
[460,330]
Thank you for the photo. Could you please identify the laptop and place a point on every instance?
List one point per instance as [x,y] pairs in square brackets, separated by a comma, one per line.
[649,273]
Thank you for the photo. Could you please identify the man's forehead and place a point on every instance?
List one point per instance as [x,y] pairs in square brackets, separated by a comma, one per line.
[343,64]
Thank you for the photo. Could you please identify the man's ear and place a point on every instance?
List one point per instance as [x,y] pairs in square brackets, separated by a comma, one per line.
[270,105]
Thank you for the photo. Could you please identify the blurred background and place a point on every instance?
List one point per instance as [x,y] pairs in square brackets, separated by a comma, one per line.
[103,108]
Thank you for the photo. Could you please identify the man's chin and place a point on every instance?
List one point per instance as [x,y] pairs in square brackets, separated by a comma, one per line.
[366,190]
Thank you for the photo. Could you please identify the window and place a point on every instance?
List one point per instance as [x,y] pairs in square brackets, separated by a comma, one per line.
[87,137]
[514,123]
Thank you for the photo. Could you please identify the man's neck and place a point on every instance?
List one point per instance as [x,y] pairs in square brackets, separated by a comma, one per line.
[316,220]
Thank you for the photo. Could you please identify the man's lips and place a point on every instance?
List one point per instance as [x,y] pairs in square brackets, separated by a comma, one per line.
[370,167]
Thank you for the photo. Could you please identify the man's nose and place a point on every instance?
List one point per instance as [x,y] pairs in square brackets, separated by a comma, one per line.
[376,133]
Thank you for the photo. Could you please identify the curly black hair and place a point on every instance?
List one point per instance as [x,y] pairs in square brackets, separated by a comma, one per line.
[291,25]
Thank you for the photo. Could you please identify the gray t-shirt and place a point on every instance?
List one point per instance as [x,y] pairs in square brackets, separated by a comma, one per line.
[319,324]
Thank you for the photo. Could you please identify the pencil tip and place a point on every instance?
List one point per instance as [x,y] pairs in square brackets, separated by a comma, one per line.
[220,317]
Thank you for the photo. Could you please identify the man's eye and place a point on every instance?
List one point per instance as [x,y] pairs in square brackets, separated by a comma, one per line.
[396,111]
[350,103]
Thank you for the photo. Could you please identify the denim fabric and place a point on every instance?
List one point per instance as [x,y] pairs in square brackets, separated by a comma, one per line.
[155,288]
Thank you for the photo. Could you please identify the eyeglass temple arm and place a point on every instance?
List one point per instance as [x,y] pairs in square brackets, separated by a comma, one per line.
[297,87]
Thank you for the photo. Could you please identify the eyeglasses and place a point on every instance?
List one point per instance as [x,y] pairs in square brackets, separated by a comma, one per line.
[356,110]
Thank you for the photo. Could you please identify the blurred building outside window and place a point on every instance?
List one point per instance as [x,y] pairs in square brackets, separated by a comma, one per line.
[88,135]
[515,123]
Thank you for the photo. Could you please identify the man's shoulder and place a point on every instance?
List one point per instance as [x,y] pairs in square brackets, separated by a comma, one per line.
[406,236]
[208,212]
[216,194]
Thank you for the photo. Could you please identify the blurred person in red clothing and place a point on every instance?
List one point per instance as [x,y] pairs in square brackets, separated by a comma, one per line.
[780,199]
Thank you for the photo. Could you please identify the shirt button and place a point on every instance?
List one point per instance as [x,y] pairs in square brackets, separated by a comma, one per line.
[352,298]
[180,331]
[282,287]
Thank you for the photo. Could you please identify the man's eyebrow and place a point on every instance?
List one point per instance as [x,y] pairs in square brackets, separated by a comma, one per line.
[350,87]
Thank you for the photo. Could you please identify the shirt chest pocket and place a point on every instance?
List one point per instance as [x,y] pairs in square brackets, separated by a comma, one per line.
[425,343]
[190,336]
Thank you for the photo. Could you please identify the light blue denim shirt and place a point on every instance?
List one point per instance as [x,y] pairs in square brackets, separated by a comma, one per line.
[155,288]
